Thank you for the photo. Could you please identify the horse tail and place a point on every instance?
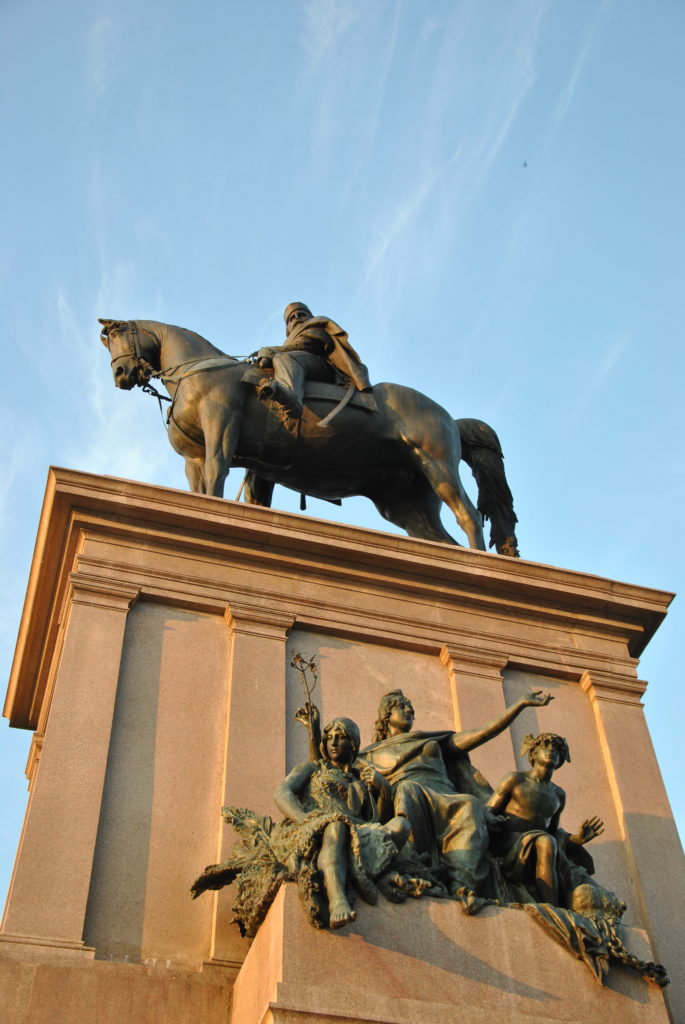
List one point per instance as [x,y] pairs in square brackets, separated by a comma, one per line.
[482,451]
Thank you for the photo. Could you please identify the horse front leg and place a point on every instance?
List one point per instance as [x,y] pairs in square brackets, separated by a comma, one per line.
[195,475]
[221,439]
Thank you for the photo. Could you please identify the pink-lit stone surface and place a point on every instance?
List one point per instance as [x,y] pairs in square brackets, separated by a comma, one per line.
[153,664]
[425,962]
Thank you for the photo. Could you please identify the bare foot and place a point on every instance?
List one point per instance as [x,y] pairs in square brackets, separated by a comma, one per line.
[341,914]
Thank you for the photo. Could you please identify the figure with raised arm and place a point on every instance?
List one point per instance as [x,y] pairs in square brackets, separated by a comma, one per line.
[348,803]
[436,789]
[340,834]
[530,843]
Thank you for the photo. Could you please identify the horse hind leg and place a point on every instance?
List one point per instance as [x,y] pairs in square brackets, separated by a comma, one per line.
[448,487]
[258,491]
[463,509]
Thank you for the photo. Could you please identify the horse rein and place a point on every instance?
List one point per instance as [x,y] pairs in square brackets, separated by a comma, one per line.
[168,375]
[148,371]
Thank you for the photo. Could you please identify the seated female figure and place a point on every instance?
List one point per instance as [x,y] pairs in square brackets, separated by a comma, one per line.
[334,811]
[439,793]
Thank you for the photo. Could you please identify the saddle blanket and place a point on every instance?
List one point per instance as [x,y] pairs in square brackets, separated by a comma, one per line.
[319,389]
[335,393]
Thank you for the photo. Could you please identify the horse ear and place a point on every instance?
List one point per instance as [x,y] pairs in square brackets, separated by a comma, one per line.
[105,332]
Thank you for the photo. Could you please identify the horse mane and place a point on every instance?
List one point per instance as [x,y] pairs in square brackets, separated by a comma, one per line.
[160,330]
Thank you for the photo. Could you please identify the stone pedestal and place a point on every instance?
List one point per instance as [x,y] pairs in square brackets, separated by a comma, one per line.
[424,962]
[153,663]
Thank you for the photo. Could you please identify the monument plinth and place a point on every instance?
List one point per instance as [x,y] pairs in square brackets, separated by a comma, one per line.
[153,663]
[424,962]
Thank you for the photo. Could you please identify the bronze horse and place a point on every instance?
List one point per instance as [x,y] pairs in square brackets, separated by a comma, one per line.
[404,455]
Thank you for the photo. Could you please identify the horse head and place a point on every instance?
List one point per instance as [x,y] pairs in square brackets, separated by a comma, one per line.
[132,349]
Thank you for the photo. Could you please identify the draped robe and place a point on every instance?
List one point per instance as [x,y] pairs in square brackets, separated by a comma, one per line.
[437,789]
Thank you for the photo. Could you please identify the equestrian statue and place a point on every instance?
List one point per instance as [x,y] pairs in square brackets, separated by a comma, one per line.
[304,414]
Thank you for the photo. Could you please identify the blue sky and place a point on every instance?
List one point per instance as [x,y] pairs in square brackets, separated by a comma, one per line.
[204,165]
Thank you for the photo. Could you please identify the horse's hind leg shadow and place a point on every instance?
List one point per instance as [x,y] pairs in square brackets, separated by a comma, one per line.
[418,514]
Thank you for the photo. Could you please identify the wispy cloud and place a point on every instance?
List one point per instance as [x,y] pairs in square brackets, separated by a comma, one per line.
[568,92]
[402,216]
[521,224]
[103,50]
[15,458]
[610,358]
[439,190]
[323,24]
[120,439]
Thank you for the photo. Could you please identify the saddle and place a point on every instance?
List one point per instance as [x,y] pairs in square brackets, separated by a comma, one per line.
[318,390]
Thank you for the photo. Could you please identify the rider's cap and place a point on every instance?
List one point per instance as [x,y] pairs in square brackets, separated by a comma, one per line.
[292,306]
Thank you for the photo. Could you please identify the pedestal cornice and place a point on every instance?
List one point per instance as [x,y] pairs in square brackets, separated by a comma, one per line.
[176,547]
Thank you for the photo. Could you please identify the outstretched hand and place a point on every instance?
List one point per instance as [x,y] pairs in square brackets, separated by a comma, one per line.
[537,699]
[589,829]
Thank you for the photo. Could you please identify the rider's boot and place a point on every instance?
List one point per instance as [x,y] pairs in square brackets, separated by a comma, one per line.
[273,389]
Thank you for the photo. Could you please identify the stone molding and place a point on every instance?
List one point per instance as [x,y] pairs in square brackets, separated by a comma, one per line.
[480,663]
[194,543]
[33,759]
[37,948]
[104,593]
[385,629]
[601,686]
[256,620]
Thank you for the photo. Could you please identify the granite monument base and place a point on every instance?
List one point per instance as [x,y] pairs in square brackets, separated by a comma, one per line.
[154,666]
[423,962]
[46,984]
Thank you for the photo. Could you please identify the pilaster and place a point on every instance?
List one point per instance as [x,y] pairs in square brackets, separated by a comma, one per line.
[255,736]
[478,697]
[653,850]
[49,888]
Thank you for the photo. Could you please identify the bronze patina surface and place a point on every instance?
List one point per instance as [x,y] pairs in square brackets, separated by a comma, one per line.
[398,448]
[410,816]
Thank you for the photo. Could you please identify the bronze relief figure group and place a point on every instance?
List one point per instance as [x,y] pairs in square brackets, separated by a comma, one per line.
[410,816]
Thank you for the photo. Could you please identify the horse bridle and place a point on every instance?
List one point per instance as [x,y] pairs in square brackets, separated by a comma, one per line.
[134,350]
[169,375]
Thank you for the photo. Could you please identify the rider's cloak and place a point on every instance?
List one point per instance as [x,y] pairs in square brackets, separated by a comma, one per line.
[324,337]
